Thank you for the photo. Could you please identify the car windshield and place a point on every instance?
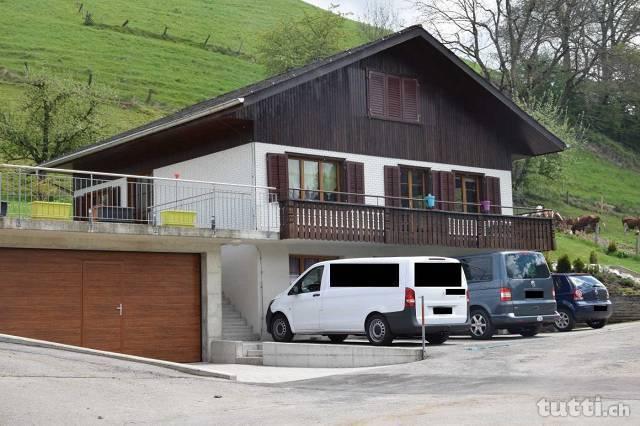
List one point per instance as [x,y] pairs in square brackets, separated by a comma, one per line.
[584,280]
[526,266]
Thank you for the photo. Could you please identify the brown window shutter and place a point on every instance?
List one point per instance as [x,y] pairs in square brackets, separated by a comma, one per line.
[410,97]
[354,181]
[491,192]
[392,185]
[376,94]
[444,189]
[394,97]
[278,174]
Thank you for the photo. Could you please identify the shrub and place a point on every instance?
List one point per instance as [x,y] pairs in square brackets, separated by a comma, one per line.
[621,255]
[612,247]
[578,265]
[593,258]
[564,264]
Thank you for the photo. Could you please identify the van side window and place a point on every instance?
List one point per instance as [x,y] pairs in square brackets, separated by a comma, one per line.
[478,269]
[437,274]
[310,283]
[365,275]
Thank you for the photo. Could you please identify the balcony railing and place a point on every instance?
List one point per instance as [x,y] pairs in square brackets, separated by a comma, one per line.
[376,222]
[56,194]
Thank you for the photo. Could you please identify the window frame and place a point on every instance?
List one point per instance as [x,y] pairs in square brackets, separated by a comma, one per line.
[385,116]
[464,208]
[319,162]
[426,184]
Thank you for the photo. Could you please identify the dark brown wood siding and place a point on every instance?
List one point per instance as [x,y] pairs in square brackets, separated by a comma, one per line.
[332,113]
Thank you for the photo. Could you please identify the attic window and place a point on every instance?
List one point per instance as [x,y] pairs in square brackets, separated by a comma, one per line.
[393,98]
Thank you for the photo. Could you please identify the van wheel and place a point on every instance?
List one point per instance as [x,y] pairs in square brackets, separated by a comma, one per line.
[530,331]
[280,329]
[565,322]
[480,327]
[378,331]
[337,338]
[437,338]
[597,323]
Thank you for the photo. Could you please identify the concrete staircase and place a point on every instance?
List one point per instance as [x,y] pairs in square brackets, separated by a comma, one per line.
[234,327]
[251,353]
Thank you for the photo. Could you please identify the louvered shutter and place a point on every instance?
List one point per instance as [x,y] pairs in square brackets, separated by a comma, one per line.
[394,97]
[491,192]
[354,181]
[278,174]
[376,94]
[410,97]
[444,189]
[392,185]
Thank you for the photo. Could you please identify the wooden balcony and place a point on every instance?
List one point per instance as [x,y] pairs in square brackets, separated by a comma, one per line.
[315,220]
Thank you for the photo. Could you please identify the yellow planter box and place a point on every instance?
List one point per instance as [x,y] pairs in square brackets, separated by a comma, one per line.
[47,210]
[178,218]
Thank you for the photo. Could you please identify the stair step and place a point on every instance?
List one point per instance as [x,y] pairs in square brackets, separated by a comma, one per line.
[250,360]
[254,353]
[241,338]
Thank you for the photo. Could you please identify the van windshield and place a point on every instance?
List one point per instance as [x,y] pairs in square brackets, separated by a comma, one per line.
[526,266]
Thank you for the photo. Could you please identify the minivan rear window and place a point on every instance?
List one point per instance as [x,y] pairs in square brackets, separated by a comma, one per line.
[438,275]
[365,275]
[526,266]
[584,280]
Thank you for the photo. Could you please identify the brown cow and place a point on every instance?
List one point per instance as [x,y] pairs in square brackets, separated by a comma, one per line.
[587,223]
[631,223]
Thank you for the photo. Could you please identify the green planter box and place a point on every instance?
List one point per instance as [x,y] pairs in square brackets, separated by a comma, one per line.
[178,218]
[47,210]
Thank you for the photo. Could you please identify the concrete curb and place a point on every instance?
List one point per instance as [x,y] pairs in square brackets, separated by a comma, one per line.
[183,368]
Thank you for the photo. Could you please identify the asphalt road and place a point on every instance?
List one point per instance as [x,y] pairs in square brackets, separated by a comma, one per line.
[495,382]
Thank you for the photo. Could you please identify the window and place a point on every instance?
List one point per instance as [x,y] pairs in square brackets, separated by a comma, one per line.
[313,179]
[414,184]
[365,275]
[310,283]
[526,266]
[467,193]
[478,269]
[437,275]
[393,97]
[298,264]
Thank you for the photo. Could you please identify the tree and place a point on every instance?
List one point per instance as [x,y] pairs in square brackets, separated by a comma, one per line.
[293,43]
[56,116]
[379,19]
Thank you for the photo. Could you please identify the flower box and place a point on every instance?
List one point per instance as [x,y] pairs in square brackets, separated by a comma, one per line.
[178,218]
[49,210]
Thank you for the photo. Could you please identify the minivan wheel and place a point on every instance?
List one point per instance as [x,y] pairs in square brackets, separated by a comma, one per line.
[565,321]
[378,331]
[480,327]
[280,329]
[597,323]
[337,338]
[530,331]
[437,338]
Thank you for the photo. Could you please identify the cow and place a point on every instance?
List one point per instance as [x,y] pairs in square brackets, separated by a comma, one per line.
[587,223]
[631,223]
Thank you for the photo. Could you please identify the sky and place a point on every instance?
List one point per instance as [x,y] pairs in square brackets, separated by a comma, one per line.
[357,8]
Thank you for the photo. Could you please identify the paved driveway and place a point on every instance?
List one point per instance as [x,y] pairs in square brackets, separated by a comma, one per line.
[498,382]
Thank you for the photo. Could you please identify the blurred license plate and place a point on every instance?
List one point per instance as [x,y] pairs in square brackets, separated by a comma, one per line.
[600,308]
[539,318]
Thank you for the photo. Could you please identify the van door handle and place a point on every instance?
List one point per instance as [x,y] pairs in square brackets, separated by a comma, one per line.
[316,295]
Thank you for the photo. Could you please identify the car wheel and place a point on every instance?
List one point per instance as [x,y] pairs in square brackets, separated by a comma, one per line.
[597,323]
[480,327]
[565,321]
[530,331]
[280,329]
[437,338]
[378,331]
[337,338]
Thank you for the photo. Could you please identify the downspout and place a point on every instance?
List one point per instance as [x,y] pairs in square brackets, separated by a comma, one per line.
[261,291]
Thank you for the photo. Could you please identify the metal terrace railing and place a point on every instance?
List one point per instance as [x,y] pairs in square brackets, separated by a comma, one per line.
[57,194]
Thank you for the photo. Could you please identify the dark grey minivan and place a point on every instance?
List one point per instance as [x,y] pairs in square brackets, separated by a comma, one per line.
[509,290]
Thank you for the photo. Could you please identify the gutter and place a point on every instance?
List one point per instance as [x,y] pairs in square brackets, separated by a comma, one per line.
[144,132]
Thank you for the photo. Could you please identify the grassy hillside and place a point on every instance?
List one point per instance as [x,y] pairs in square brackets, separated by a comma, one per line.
[137,58]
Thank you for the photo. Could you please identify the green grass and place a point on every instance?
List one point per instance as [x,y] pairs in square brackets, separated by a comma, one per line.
[576,247]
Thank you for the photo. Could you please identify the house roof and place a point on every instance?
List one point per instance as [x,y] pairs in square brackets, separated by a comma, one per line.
[281,82]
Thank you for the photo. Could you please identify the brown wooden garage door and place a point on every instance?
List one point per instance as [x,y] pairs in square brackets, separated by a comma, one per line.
[145,304]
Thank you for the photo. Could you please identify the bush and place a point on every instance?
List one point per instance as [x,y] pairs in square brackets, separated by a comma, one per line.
[578,265]
[593,258]
[621,255]
[564,264]
[612,247]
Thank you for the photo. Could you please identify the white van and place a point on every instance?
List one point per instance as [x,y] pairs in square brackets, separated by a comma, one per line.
[379,297]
